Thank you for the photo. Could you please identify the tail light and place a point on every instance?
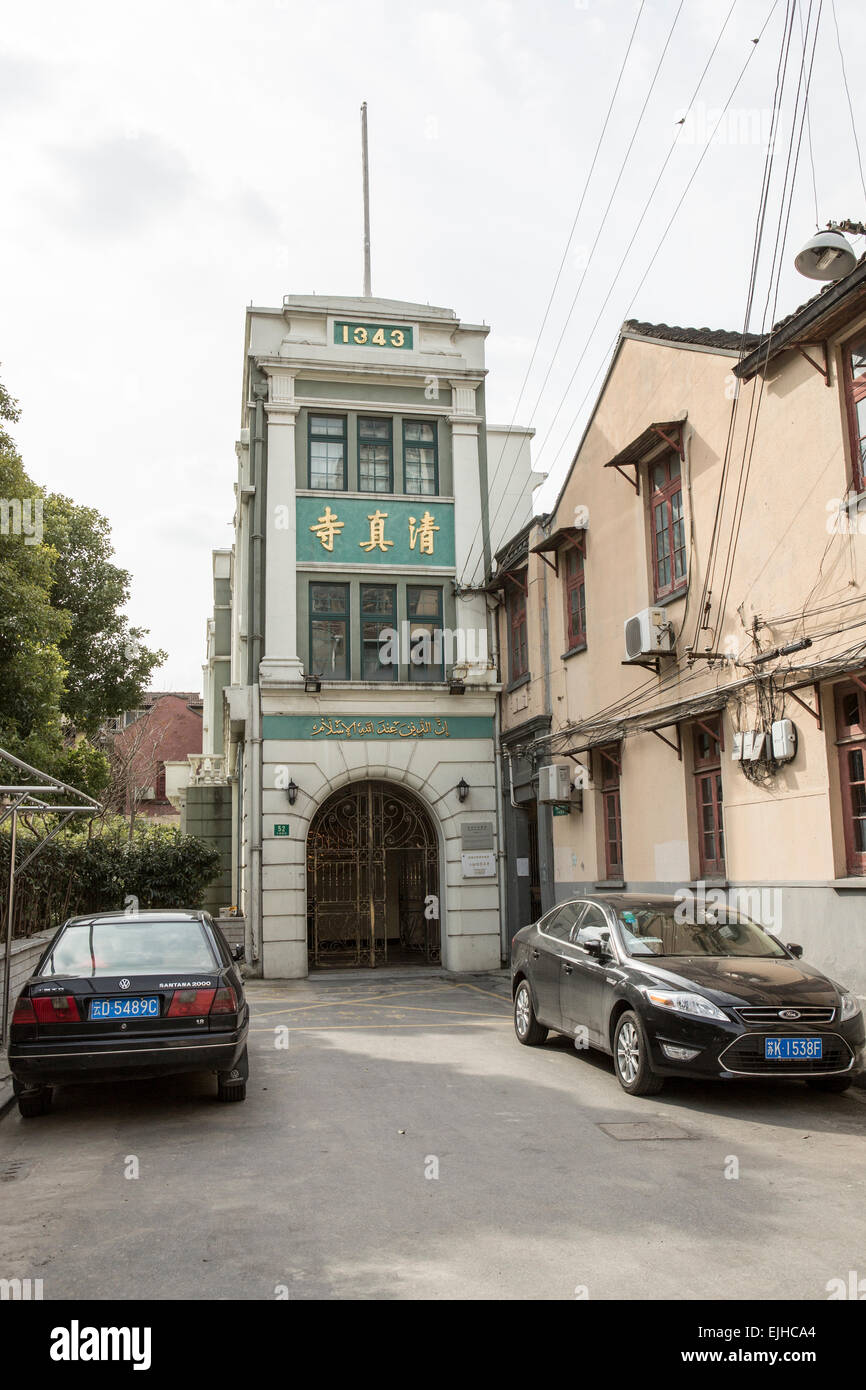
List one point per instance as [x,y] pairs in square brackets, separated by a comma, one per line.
[24,1012]
[187,1003]
[226,1001]
[57,1008]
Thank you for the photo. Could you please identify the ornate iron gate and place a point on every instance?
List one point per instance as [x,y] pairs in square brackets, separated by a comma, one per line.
[371,855]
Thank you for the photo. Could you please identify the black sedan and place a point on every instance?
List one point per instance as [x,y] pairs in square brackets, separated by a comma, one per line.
[118,996]
[634,977]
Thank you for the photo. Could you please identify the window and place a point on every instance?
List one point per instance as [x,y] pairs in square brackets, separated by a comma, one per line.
[420,464]
[611,810]
[425,634]
[851,742]
[328,452]
[378,625]
[707,749]
[855,400]
[375,456]
[560,922]
[668,526]
[160,783]
[518,650]
[575,598]
[329,631]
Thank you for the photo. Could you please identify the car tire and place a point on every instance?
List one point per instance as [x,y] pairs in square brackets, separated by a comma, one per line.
[527,1027]
[834,1084]
[631,1059]
[33,1103]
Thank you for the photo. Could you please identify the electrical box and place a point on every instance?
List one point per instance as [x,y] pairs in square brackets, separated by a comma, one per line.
[554,783]
[784,736]
[737,750]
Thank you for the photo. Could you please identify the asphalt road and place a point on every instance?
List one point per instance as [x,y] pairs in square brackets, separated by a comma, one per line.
[403,1145]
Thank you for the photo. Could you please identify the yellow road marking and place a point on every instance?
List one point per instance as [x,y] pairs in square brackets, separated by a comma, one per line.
[331,1003]
[360,1027]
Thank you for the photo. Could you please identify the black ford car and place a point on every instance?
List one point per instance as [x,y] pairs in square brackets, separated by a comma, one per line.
[632,976]
[119,996]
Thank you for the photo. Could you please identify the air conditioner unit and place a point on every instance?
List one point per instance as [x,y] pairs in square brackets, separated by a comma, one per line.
[554,783]
[648,633]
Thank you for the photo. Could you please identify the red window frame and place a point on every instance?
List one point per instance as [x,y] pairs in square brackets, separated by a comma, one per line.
[667,525]
[518,644]
[851,743]
[709,807]
[611,801]
[575,596]
[855,401]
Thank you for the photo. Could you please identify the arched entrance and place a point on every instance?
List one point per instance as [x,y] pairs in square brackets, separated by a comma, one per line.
[372,870]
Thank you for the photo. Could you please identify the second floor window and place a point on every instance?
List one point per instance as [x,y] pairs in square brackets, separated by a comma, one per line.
[575,598]
[329,631]
[855,393]
[518,648]
[328,452]
[420,463]
[378,626]
[375,457]
[611,809]
[426,657]
[668,526]
[851,743]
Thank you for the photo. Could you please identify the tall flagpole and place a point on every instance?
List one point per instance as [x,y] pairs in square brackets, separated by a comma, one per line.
[366,168]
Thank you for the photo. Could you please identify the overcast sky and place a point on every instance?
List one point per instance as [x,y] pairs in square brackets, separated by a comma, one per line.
[166,164]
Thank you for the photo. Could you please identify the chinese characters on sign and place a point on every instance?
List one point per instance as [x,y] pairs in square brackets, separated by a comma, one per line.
[421,532]
[381,728]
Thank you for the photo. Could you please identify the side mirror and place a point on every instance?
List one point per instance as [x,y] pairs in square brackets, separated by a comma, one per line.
[597,946]
[796,951]
[238,952]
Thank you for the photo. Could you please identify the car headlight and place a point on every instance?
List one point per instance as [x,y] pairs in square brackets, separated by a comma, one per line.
[681,1003]
[850,1007]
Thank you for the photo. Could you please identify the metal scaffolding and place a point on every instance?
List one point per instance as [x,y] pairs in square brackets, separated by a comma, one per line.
[35,797]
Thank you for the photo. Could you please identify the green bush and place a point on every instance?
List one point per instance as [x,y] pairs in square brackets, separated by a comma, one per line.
[96,868]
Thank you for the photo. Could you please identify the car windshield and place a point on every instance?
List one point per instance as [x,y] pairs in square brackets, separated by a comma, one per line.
[658,931]
[125,946]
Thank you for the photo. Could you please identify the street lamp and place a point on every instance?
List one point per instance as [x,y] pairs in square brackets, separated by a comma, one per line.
[463,790]
[292,791]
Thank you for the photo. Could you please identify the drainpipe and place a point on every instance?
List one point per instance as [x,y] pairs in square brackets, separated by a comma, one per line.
[493,627]
[256,637]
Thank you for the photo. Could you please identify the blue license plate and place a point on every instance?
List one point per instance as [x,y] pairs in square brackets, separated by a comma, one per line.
[791,1049]
[125,1008]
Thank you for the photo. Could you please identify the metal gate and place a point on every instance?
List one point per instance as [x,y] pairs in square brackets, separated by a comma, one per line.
[372,864]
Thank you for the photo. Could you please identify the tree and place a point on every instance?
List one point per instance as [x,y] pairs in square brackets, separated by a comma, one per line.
[32,668]
[108,664]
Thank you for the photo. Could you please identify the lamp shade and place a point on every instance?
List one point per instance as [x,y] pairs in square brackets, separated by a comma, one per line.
[827,256]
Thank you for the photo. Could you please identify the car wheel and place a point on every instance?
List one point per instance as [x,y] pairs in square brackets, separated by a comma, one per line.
[631,1057]
[33,1103]
[527,1027]
[834,1084]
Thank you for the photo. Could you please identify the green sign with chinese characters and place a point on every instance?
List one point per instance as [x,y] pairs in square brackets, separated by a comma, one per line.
[376,531]
[385,335]
[562,810]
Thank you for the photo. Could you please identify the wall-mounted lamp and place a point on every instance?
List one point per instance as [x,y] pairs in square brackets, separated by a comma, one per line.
[312,684]
[292,791]
[462,790]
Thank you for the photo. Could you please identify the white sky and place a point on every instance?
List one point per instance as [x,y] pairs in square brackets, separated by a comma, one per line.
[166,164]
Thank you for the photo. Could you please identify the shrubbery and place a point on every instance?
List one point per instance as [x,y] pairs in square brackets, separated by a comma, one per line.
[95,868]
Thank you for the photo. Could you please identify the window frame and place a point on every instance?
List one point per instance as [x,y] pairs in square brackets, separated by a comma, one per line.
[575,639]
[658,499]
[379,419]
[611,799]
[855,391]
[313,435]
[516,598]
[707,771]
[345,618]
[414,443]
[847,743]
[364,618]
[438,626]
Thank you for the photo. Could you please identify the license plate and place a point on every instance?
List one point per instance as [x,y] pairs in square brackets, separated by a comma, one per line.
[789,1049]
[137,1007]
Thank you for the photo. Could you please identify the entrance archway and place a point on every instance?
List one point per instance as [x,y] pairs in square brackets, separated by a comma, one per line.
[372,879]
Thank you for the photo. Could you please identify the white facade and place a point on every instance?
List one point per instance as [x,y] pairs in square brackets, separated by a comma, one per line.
[418,373]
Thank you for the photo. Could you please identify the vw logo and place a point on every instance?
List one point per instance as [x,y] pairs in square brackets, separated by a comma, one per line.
[124,984]
[789,1013]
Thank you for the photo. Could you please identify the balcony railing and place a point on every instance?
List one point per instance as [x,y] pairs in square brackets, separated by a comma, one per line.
[206,768]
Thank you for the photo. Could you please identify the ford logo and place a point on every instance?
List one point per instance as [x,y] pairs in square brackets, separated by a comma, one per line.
[124,984]
[789,1013]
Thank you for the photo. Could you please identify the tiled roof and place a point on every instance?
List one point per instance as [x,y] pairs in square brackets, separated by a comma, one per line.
[727,339]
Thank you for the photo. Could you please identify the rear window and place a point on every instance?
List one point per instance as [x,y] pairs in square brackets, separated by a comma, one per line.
[130,947]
